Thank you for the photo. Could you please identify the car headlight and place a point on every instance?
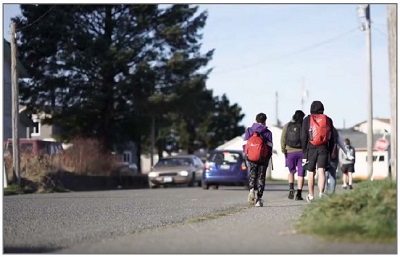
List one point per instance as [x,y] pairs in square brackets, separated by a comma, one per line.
[184,173]
[153,174]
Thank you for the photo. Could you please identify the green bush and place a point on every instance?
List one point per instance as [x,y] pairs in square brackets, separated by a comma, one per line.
[367,213]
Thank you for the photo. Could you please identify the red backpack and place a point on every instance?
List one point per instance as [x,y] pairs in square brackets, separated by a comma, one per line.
[320,130]
[256,150]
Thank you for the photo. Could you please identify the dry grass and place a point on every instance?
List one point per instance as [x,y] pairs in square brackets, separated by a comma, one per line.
[84,158]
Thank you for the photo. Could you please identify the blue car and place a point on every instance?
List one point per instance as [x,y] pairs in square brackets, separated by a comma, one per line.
[225,167]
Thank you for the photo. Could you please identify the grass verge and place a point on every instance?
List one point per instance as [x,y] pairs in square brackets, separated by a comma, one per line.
[365,214]
[13,189]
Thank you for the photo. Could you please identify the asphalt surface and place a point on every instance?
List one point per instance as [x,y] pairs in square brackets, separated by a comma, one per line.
[162,221]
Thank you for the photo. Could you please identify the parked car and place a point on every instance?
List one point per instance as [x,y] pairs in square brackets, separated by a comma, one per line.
[225,167]
[185,169]
[37,147]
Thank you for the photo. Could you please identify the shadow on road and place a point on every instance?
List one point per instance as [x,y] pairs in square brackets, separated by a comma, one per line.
[25,249]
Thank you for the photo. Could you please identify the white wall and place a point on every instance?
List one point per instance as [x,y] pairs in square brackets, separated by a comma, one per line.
[380,165]
[279,171]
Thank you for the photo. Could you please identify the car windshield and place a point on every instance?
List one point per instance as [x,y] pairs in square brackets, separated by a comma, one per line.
[174,162]
[225,157]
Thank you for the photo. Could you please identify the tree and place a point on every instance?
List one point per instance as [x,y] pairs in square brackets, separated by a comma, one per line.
[183,72]
[105,71]
[89,64]
[225,119]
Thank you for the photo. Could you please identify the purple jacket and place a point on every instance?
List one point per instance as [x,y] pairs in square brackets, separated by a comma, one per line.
[265,134]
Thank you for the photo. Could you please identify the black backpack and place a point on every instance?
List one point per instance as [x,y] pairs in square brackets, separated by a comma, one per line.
[293,135]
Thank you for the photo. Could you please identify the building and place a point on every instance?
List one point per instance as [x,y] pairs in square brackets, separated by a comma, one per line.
[379,126]
[381,160]
[24,120]
[43,131]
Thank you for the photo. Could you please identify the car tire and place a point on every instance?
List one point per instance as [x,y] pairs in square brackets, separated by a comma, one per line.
[192,180]
[216,187]
[205,186]
[151,185]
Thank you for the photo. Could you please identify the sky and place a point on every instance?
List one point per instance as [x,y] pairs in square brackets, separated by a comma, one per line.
[268,55]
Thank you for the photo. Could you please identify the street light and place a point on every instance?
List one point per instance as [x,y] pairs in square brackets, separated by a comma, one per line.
[364,15]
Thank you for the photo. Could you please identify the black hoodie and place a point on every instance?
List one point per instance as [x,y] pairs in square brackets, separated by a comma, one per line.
[316,108]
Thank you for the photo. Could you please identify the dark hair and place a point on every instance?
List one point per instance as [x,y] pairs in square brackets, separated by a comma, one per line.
[298,116]
[347,141]
[317,107]
[261,118]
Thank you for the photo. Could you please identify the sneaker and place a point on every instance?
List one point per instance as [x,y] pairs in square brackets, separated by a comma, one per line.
[259,203]
[310,198]
[321,195]
[344,186]
[251,197]
[291,194]
[350,187]
[298,198]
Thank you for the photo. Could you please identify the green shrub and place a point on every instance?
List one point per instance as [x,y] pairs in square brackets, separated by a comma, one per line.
[367,213]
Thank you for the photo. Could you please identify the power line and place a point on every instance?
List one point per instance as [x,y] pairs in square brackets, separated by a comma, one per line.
[292,53]
[38,19]
[383,33]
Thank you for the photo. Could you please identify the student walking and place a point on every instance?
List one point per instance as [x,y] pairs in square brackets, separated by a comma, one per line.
[258,151]
[291,147]
[330,173]
[347,160]
[317,143]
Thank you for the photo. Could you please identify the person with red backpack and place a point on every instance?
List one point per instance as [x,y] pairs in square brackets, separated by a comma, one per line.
[317,144]
[257,151]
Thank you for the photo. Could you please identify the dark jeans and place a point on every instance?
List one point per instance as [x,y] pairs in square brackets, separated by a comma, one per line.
[257,178]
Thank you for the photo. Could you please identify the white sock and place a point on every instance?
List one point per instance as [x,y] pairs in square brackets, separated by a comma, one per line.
[310,197]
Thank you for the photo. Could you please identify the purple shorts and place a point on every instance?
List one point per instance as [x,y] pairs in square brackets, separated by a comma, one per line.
[293,160]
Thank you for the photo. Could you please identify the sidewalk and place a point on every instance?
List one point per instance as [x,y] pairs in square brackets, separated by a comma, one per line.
[254,230]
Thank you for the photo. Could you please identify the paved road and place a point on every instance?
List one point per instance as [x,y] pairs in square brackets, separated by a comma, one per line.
[171,220]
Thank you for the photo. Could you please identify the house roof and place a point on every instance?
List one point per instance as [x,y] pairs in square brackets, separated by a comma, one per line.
[22,73]
[384,120]
[359,139]
[25,119]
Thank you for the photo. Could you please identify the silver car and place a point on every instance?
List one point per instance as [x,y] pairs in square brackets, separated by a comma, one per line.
[182,169]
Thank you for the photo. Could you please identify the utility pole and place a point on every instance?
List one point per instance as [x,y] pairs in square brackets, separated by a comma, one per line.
[304,94]
[276,109]
[392,34]
[15,104]
[153,140]
[364,14]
